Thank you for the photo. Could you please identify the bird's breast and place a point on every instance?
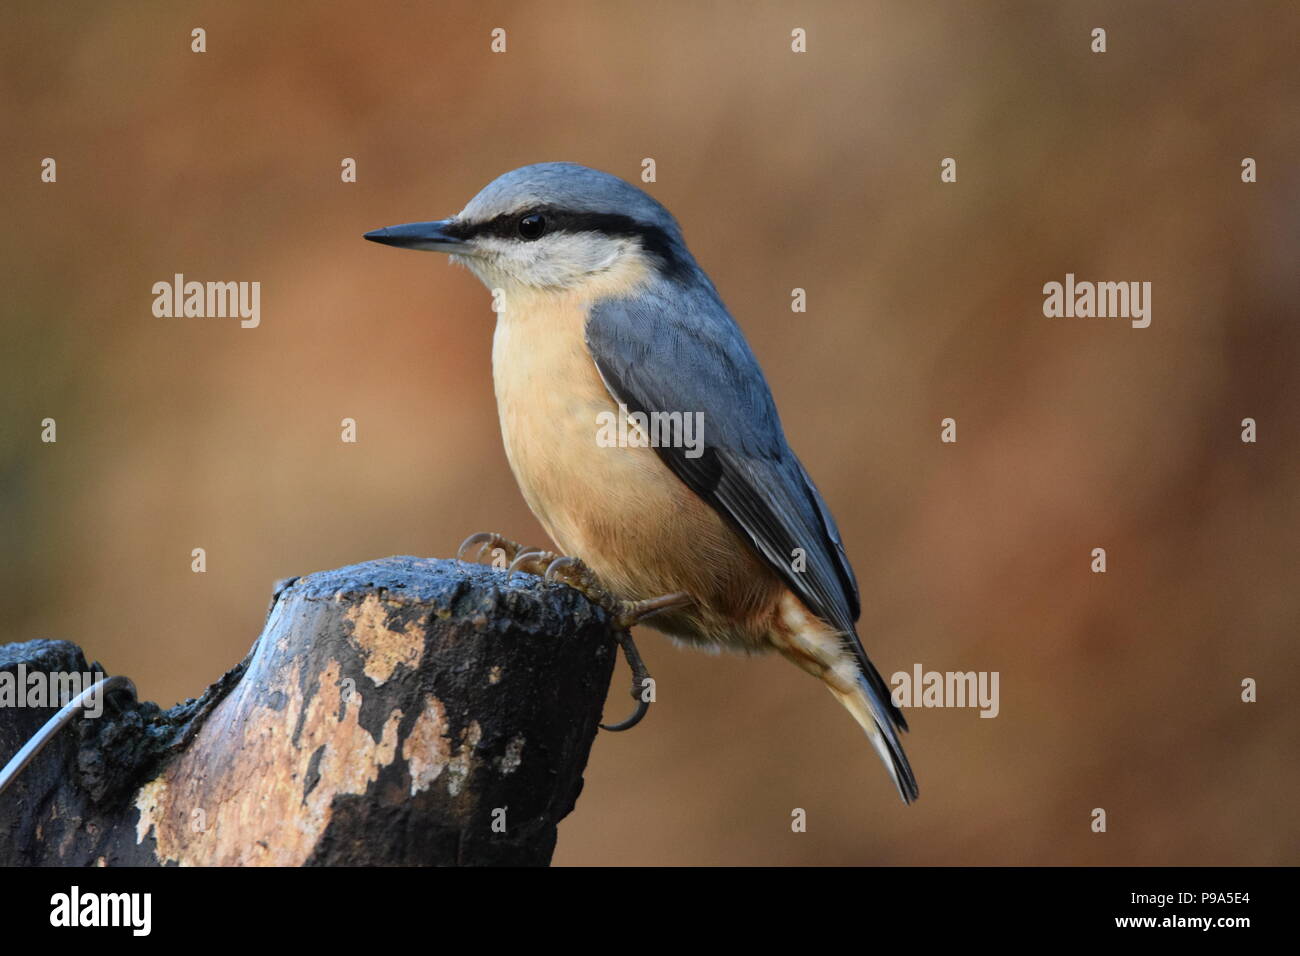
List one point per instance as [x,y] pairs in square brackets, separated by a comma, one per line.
[620,509]
[550,399]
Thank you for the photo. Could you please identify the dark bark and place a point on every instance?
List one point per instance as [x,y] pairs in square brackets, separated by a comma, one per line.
[402,711]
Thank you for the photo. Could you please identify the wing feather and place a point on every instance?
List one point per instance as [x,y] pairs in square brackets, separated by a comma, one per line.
[676,349]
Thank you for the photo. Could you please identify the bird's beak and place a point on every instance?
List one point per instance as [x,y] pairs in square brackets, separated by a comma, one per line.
[430,236]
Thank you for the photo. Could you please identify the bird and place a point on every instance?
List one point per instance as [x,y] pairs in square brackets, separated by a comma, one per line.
[721,543]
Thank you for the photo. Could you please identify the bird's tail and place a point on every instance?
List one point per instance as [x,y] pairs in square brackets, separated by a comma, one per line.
[836,657]
[875,715]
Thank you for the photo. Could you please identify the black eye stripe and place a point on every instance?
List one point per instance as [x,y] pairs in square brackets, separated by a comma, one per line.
[506,226]
[557,220]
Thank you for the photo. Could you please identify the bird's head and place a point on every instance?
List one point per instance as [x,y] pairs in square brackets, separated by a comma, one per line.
[554,227]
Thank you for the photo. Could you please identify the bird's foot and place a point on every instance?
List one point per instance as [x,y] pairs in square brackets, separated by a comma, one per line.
[533,561]
[625,614]
[571,571]
[502,549]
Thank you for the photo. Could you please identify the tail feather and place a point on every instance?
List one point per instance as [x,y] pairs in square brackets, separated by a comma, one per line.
[879,689]
[875,715]
[837,658]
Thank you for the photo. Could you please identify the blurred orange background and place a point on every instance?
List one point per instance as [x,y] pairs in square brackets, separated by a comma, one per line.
[817,170]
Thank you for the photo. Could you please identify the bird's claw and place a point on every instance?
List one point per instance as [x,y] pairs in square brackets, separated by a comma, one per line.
[640,682]
[624,614]
[533,561]
[502,549]
[573,572]
[627,614]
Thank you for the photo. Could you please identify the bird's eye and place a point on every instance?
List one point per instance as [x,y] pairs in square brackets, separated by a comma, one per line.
[532,227]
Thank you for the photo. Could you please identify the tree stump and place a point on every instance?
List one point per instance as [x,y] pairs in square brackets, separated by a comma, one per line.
[401,711]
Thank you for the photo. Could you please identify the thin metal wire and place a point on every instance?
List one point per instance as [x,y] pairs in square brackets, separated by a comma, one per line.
[65,716]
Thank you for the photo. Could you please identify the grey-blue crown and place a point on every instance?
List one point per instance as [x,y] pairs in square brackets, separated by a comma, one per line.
[572,187]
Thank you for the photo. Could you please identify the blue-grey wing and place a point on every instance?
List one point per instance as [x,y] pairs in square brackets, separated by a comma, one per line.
[676,349]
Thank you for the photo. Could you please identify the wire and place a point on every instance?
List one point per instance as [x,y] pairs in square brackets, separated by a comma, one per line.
[56,723]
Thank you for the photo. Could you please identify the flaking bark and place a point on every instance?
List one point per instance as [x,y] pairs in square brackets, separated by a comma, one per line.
[401,711]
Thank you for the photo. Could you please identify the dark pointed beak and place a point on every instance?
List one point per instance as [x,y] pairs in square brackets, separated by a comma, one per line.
[431,236]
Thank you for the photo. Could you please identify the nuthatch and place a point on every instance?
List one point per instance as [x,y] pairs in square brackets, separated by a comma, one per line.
[603,315]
